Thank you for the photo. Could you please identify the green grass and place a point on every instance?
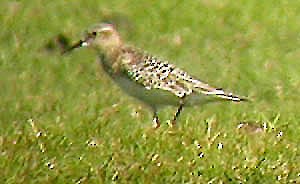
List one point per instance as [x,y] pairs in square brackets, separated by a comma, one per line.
[63,121]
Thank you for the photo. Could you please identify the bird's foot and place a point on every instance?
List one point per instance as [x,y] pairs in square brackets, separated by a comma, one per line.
[172,123]
[155,123]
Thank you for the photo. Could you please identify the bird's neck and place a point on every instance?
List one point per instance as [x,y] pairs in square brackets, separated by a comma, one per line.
[111,57]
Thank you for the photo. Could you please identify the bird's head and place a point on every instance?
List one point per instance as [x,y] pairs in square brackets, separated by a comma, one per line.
[101,37]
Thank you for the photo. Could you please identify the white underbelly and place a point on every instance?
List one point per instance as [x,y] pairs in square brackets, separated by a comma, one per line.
[158,97]
[154,97]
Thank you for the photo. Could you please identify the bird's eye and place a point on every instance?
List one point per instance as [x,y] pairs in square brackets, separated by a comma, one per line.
[94,33]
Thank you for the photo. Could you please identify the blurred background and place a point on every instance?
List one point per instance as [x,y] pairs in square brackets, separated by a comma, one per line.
[63,120]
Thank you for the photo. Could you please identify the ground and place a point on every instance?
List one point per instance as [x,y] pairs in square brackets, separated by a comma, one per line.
[63,121]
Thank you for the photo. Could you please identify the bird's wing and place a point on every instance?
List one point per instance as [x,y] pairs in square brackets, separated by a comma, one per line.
[154,73]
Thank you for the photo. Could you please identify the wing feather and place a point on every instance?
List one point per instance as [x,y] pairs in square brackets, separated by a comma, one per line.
[154,73]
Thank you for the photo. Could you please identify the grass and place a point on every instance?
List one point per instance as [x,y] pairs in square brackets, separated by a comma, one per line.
[63,121]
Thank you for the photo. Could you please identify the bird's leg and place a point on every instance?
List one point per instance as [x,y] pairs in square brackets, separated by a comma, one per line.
[155,121]
[173,122]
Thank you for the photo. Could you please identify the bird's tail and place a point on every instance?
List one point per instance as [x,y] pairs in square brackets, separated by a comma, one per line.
[225,95]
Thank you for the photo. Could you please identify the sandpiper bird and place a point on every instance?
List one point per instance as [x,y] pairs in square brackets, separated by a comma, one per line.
[146,77]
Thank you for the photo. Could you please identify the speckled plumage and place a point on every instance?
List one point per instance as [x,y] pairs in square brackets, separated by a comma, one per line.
[146,77]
